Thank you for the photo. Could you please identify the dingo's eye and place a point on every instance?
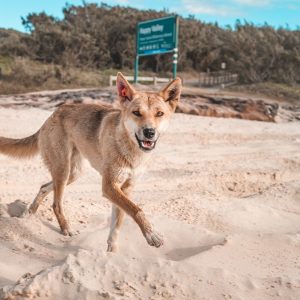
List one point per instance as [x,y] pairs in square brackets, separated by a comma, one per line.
[159,114]
[137,113]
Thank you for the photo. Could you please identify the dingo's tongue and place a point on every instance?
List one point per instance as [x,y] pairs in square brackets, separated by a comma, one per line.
[147,144]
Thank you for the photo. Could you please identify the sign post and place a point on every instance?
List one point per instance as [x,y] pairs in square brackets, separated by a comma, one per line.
[136,68]
[175,59]
[157,36]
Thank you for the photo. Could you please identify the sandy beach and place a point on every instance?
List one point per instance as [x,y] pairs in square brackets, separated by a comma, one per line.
[225,194]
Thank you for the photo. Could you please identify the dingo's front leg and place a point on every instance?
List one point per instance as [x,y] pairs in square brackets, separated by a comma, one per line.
[114,193]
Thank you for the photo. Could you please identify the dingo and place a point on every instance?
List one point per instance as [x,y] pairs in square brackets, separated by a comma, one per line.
[114,141]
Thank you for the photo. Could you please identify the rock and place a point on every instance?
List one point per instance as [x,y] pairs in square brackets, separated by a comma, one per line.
[16,208]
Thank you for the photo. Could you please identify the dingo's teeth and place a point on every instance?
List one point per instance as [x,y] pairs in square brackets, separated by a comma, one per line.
[147,144]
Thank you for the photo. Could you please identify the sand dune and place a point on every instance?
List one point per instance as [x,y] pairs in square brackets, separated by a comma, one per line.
[225,193]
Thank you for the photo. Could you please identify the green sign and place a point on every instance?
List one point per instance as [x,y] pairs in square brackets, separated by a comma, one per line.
[157,36]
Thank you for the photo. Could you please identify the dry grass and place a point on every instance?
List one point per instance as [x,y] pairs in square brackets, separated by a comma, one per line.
[20,75]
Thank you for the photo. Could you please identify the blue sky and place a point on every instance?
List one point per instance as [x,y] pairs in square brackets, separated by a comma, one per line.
[274,12]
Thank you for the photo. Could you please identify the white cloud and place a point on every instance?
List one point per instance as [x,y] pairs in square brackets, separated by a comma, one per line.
[215,8]
[253,2]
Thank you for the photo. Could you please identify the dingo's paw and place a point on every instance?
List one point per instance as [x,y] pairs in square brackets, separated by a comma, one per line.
[154,239]
[112,248]
[67,232]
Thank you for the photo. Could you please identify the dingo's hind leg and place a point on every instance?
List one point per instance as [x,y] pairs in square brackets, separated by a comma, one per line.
[65,174]
[117,217]
[47,188]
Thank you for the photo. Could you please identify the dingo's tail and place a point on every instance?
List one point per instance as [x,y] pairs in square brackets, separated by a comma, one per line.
[20,148]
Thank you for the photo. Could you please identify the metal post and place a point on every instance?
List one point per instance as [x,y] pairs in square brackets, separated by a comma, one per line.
[175,56]
[136,69]
[136,62]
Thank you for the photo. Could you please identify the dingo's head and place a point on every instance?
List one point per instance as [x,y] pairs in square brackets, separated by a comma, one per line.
[146,114]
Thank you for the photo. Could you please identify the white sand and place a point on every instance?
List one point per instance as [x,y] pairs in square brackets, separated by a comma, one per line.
[211,181]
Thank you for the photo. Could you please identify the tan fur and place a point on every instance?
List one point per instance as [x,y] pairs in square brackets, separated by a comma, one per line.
[113,140]
[20,148]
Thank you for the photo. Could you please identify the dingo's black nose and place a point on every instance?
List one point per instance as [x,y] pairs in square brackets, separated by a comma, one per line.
[149,133]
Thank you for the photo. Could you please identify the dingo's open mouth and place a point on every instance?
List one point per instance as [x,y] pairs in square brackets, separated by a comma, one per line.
[146,145]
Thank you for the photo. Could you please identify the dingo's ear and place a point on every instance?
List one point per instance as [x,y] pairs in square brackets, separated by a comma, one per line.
[171,93]
[125,90]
